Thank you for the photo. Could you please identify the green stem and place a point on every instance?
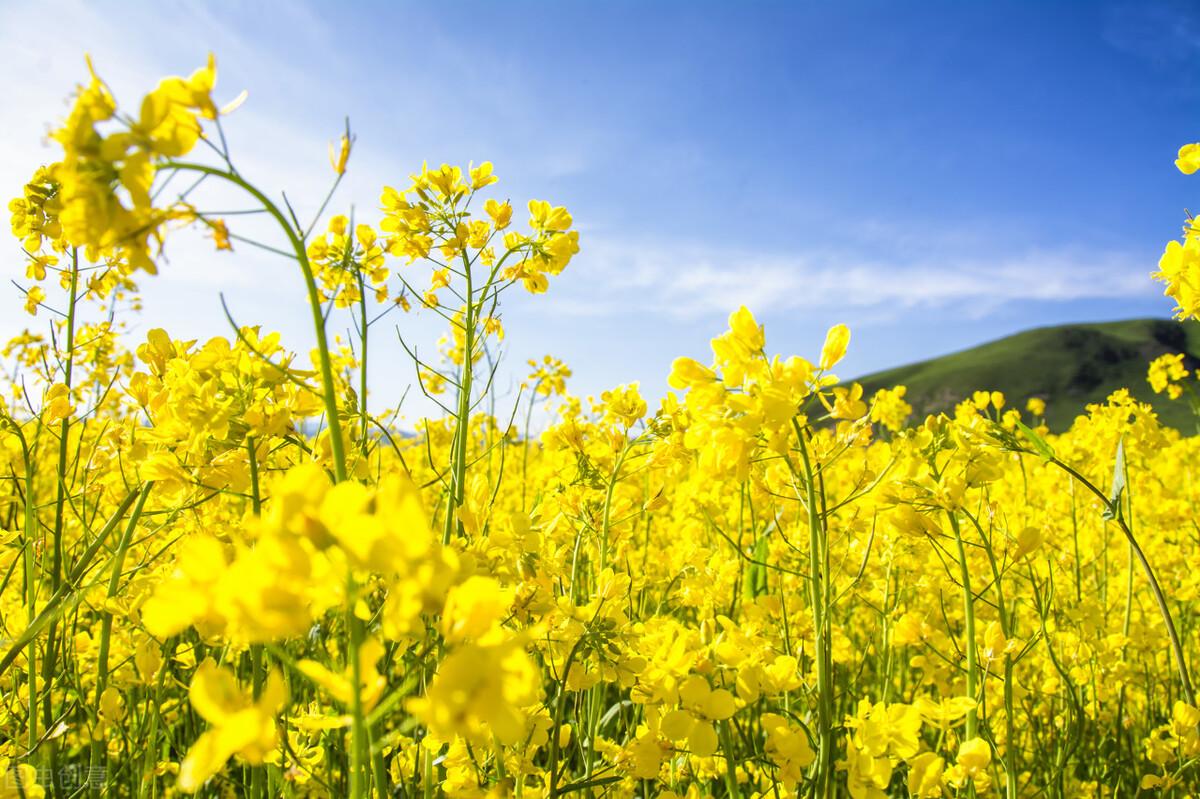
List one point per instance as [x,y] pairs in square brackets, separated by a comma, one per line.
[969,614]
[329,395]
[462,432]
[731,782]
[258,774]
[822,783]
[559,710]
[525,441]
[359,777]
[613,479]
[31,588]
[1010,752]
[147,785]
[362,366]
[99,751]
[1159,598]
[51,653]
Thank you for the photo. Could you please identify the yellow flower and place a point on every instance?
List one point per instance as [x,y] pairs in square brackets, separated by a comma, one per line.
[501,213]
[112,706]
[847,402]
[147,658]
[889,408]
[624,404]
[1029,539]
[341,686]
[974,756]
[995,645]
[787,746]
[743,325]
[925,776]
[700,706]
[642,758]
[339,159]
[238,724]
[1165,372]
[446,180]
[186,597]
[57,404]
[474,610]
[482,176]
[479,690]
[19,781]
[33,298]
[220,234]
[1179,268]
[836,341]
[688,372]
[544,217]
[1189,158]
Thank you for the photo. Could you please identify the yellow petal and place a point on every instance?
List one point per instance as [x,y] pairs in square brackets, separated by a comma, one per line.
[703,740]
[721,705]
[214,692]
[206,757]
[677,724]
[695,691]
[836,341]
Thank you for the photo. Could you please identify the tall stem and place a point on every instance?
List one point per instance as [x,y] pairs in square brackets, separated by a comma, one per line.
[969,613]
[1159,598]
[1006,626]
[823,784]
[462,431]
[329,394]
[363,324]
[99,751]
[51,655]
[606,521]
[31,591]
[258,788]
[65,425]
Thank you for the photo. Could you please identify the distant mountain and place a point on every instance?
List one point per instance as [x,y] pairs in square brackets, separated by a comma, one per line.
[1069,366]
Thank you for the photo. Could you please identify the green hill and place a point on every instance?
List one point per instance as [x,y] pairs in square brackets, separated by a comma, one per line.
[1066,365]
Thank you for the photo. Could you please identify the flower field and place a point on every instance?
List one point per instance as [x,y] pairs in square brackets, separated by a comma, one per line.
[222,575]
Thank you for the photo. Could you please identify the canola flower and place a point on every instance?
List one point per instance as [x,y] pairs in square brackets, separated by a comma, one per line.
[222,574]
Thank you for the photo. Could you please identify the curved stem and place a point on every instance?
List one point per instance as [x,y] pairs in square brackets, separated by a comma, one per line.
[1159,598]
[337,443]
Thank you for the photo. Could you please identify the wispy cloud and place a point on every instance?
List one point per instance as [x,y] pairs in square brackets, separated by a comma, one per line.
[687,279]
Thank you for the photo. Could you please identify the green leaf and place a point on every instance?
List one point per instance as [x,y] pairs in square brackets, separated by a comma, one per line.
[1118,484]
[757,579]
[1039,444]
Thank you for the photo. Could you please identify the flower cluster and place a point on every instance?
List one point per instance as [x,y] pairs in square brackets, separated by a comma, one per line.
[224,572]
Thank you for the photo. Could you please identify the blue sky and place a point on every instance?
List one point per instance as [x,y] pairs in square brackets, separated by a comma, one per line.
[932,174]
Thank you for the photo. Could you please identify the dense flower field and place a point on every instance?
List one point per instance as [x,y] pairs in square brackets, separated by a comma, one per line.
[220,574]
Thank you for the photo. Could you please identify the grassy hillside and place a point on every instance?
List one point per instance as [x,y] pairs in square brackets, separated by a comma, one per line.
[1067,365]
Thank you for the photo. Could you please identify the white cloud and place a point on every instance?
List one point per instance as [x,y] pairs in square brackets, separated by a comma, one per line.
[688,279]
